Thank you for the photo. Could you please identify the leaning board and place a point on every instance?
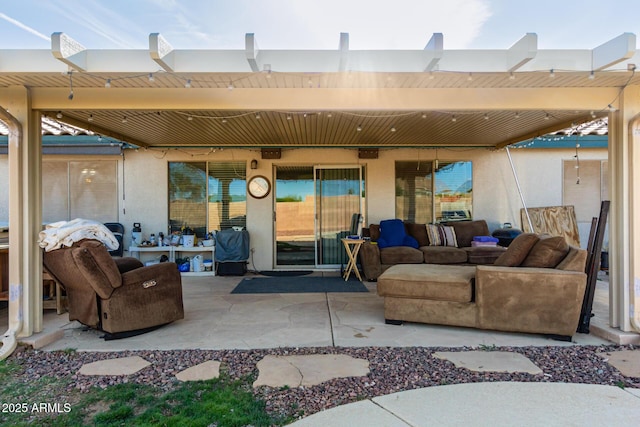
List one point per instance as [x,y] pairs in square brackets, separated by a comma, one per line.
[554,220]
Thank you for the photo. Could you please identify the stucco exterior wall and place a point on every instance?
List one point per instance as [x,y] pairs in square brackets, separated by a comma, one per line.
[143,177]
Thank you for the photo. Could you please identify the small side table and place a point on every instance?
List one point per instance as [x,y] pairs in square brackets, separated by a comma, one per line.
[352,246]
[57,301]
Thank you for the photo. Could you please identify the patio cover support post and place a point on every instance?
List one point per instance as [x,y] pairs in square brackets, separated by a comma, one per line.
[515,176]
[634,179]
[9,339]
[624,225]
[25,213]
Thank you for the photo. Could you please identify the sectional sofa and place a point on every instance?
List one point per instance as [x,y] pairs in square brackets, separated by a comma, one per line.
[536,286]
[375,259]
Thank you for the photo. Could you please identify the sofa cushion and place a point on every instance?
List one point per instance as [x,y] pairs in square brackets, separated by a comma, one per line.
[517,250]
[400,255]
[441,235]
[576,260]
[547,253]
[428,281]
[97,267]
[418,232]
[393,233]
[443,255]
[466,230]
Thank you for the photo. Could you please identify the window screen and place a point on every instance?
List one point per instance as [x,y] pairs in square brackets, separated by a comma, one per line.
[187,196]
[227,195]
[79,189]
[433,191]
[207,196]
[414,192]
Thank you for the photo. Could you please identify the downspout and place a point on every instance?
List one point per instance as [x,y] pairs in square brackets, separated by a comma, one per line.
[9,339]
[634,291]
[515,176]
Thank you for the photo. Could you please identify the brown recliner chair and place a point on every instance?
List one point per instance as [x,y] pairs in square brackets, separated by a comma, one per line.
[115,295]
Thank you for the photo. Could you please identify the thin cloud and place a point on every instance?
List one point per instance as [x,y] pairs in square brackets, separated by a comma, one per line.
[407,24]
[24,27]
[103,22]
[181,23]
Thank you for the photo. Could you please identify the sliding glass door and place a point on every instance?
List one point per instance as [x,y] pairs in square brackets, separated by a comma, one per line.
[313,211]
[294,216]
[339,195]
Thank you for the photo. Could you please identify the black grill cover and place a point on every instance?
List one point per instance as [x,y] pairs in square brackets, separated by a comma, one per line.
[506,235]
[232,245]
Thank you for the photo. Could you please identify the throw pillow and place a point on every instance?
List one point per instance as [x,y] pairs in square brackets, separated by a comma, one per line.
[393,233]
[517,250]
[547,253]
[441,235]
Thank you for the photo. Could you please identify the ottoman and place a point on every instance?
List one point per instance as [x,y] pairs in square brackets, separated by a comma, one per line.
[429,293]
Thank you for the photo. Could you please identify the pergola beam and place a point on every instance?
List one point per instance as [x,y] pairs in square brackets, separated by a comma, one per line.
[523,51]
[161,51]
[252,51]
[69,51]
[524,55]
[615,50]
[344,52]
[434,50]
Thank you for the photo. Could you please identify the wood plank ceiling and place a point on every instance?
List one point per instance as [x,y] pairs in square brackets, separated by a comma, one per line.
[362,128]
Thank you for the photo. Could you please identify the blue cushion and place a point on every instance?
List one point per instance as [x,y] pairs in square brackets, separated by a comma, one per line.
[392,233]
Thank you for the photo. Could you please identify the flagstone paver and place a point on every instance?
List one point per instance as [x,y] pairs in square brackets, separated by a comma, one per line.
[625,361]
[489,361]
[307,370]
[203,371]
[117,366]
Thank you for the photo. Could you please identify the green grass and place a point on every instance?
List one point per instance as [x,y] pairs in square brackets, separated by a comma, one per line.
[222,402]
[484,347]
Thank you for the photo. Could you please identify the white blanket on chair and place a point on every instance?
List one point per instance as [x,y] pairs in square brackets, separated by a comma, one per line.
[65,233]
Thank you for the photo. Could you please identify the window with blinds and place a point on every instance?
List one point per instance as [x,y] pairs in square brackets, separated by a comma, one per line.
[79,189]
[433,191]
[207,196]
[227,195]
[187,196]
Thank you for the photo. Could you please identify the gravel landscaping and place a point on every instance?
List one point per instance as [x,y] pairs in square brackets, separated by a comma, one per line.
[391,370]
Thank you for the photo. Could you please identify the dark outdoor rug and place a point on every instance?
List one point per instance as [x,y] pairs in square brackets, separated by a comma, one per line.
[283,285]
[286,273]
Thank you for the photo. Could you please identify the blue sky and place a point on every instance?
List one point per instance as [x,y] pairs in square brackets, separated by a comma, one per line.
[313,24]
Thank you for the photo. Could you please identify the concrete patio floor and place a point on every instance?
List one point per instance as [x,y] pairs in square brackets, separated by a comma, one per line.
[216,319]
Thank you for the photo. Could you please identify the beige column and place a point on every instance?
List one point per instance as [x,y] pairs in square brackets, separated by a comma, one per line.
[25,213]
[624,222]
